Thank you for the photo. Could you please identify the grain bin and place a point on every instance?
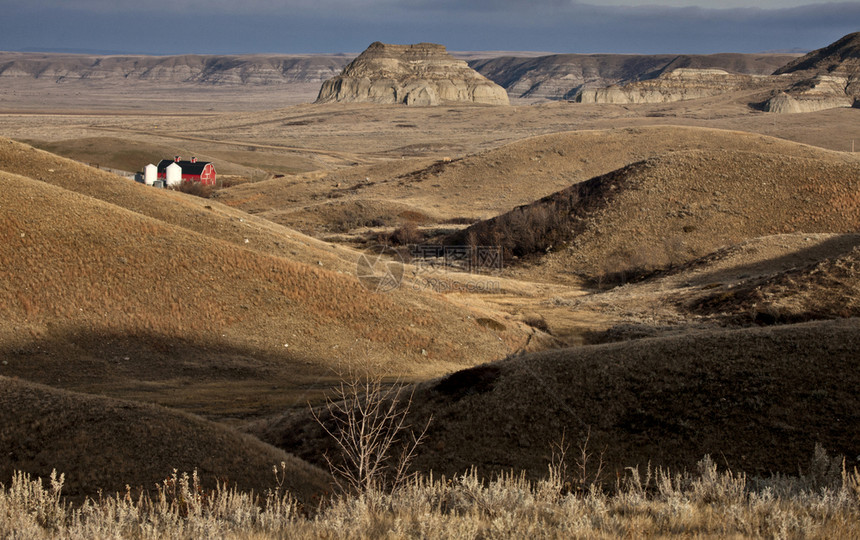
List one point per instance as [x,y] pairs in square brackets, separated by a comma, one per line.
[150,174]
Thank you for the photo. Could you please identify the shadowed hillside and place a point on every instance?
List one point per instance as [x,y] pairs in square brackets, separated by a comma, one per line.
[103,444]
[757,400]
[824,290]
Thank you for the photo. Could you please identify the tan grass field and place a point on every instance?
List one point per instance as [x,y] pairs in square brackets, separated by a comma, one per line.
[211,301]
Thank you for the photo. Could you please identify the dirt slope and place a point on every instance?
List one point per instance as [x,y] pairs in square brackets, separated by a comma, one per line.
[106,444]
[757,400]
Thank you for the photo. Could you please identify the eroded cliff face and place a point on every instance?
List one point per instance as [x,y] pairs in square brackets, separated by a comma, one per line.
[251,70]
[564,76]
[823,79]
[677,85]
[784,103]
[421,74]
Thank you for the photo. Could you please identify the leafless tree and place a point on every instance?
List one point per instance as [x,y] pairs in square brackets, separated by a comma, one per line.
[368,422]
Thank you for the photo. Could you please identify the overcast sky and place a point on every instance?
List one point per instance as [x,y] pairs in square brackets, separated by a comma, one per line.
[330,26]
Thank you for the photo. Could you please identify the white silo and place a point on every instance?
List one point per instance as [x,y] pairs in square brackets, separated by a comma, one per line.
[174,175]
[150,174]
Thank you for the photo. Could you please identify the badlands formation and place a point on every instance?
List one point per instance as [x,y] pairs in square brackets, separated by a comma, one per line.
[677,85]
[823,79]
[826,78]
[420,74]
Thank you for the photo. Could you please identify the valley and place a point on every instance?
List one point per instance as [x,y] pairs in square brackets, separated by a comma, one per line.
[670,278]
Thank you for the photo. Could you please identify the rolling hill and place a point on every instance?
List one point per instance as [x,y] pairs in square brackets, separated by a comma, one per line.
[157,291]
[496,180]
[680,205]
[103,445]
[757,400]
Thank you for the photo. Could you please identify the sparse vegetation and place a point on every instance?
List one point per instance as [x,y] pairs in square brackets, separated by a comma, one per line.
[217,322]
[824,502]
[406,235]
[198,189]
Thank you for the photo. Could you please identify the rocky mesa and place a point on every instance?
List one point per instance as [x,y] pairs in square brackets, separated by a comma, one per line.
[823,79]
[421,74]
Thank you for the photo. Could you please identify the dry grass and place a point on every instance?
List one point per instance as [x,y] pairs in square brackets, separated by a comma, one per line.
[669,210]
[757,398]
[89,280]
[107,445]
[706,504]
[86,305]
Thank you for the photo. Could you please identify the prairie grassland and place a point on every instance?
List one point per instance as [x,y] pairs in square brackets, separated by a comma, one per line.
[823,503]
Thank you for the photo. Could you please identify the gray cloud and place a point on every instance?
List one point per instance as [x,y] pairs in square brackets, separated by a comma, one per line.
[378,7]
[221,26]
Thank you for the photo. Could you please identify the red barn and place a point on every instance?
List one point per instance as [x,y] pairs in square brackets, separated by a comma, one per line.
[192,171]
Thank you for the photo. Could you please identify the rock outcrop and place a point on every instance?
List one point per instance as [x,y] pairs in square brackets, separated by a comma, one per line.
[800,102]
[421,74]
[251,70]
[677,85]
[823,79]
[564,76]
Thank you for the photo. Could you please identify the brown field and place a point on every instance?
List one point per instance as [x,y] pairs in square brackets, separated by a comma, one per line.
[679,279]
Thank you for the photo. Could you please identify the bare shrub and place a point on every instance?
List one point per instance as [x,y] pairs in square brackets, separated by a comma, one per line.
[537,321]
[198,189]
[367,420]
[407,234]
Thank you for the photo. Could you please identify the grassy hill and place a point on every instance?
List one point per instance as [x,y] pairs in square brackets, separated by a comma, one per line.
[484,184]
[128,290]
[680,205]
[105,444]
[758,400]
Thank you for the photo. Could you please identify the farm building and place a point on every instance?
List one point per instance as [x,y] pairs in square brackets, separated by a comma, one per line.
[190,171]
